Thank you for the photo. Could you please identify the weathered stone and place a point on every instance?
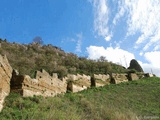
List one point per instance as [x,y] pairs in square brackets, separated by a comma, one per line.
[118,78]
[5,76]
[78,82]
[102,77]
[133,76]
[43,84]
[101,80]
[74,87]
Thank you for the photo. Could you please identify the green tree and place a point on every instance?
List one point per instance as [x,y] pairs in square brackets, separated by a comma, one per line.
[38,40]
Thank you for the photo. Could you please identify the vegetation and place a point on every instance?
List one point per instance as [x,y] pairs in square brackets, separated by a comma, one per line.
[125,101]
[27,58]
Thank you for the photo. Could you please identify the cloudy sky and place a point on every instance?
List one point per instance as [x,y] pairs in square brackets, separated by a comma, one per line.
[120,30]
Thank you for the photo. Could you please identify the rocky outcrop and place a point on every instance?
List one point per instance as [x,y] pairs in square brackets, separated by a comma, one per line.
[5,76]
[135,65]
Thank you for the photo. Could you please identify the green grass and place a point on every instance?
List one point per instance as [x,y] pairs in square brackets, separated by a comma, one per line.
[124,101]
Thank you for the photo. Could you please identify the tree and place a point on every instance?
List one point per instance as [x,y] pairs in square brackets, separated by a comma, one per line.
[38,40]
[102,59]
[62,71]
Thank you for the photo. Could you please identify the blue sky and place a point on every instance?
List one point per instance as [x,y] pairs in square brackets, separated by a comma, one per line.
[119,30]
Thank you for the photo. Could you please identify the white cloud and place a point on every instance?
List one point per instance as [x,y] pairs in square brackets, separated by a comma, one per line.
[101,17]
[79,42]
[152,64]
[108,38]
[120,56]
[148,68]
[153,58]
[143,23]
[144,17]
[116,55]
[121,11]
[141,53]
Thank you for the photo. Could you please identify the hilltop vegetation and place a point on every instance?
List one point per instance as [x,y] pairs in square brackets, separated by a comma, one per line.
[27,58]
[125,101]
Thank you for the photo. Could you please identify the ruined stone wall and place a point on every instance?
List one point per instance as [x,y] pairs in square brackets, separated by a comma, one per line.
[43,84]
[101,79]
[47,85]
[5,76]
[73,87]
[52,80]
[32,87]
[118,78]
[133,76]
[78,82]
[78,77]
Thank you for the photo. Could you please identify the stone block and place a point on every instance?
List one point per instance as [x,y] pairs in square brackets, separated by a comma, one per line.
[133,76]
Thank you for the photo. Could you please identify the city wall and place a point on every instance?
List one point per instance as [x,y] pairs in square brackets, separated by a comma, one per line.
[47,85]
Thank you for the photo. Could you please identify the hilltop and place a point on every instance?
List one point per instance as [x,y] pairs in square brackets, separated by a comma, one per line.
[27,58]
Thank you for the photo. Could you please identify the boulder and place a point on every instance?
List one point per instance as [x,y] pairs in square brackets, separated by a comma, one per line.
[135,65]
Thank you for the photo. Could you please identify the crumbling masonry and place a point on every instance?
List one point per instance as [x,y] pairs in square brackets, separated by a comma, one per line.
[5,76]
[43,84]
[46,85]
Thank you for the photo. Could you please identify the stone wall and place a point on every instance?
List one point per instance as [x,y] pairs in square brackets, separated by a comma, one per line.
[101,79]
[52,80]
[78,82]
[43,84]
[73,87]
[5,76]
[133,76]
[118,78]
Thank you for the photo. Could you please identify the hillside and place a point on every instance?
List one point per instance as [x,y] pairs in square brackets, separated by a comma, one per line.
[124,101]
[27,58]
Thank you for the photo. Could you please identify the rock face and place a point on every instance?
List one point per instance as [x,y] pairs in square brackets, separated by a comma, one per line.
[5,76]
[43,84]
[135,65]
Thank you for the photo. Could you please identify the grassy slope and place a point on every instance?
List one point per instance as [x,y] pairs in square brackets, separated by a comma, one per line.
[115,102]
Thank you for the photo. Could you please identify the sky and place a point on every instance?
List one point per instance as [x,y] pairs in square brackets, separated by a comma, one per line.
[119,30]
